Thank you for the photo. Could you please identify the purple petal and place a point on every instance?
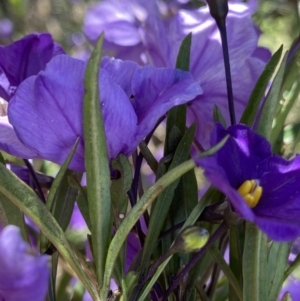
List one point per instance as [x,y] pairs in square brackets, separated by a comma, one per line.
[10,143]
[21,272]
[116,20]
[246,156]
[46,111]
[52,101]
[158,90]
[120,72]
[27,57]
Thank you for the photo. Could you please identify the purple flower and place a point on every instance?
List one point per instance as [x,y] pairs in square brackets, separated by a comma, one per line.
[6,27]
[23,275]
[46,111]
[158,40]
[24,58]
[19,61]
[293,287]
[271,198]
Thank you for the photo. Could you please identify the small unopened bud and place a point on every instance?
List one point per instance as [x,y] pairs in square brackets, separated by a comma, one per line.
[190,239]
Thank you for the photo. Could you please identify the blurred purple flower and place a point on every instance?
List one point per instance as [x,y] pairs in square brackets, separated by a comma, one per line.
[247,156]
[46,110]
[122,22]
[6,27]
[158,39]
[23,275]
[293,287]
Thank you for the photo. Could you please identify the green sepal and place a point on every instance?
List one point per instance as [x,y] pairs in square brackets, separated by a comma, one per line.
[97,166]
[258,92]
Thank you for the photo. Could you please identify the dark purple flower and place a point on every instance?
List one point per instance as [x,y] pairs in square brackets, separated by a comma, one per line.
[247,156]
[46,111]
[23,275]
[24,58]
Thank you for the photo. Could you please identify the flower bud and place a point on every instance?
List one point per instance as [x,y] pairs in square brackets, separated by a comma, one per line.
[190,239]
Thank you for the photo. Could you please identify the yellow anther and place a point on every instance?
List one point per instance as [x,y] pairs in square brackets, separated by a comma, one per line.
[251,192]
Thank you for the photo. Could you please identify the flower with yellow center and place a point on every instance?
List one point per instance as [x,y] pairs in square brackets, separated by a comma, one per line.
[262,188]
[251,192]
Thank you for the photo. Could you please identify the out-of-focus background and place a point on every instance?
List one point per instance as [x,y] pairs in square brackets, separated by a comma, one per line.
[278,20]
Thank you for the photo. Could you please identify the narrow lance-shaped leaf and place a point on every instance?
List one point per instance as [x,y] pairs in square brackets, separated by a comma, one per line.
[177,115]
[146,201]
[97,165]
[161,208]
[260,89]
[28,202]
[267,116]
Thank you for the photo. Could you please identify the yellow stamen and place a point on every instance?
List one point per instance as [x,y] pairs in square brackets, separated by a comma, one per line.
[251,192]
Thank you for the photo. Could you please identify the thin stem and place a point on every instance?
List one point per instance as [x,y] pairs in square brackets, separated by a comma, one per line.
[223,32]
[219,10]
[219,232]
[151,272]
[35,180]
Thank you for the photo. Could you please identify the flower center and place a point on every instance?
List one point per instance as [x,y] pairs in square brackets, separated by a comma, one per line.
[251,192]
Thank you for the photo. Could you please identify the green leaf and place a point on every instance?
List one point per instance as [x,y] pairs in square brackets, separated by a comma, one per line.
[56,185]
[236,244]
[270,105]
[255,276]
[161,208]
[177,115]
[258,92]
[10,214]
[83,206]
[277,260]
[218,116]
[217,256]
[61,197]
[120,186]
[97,166]
[190,221]
[147,199]
[183,57]
[286,107]
[28,202]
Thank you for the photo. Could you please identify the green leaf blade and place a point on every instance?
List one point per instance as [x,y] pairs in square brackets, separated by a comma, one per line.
[97,166]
